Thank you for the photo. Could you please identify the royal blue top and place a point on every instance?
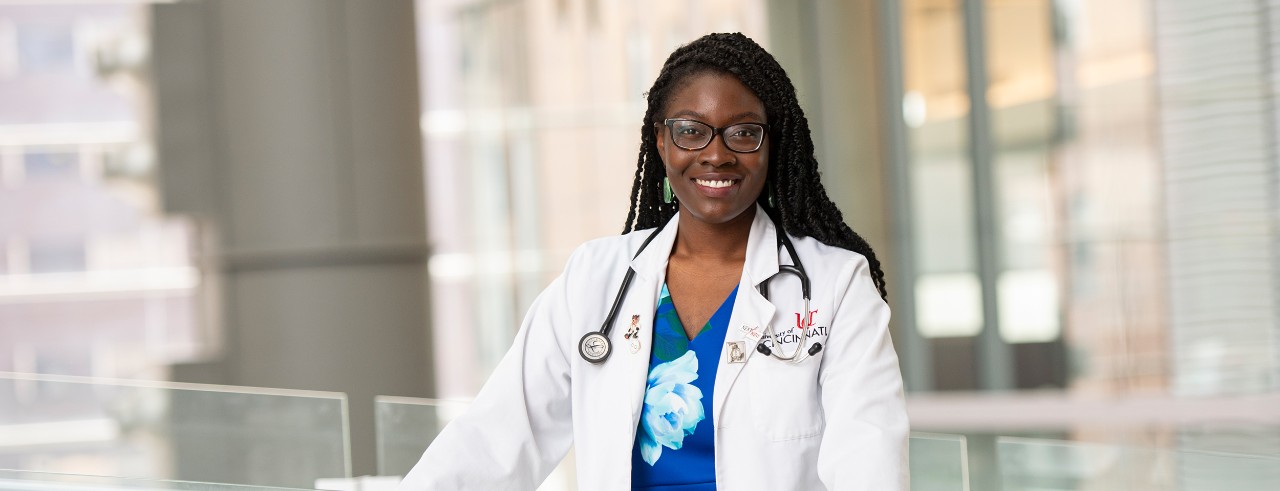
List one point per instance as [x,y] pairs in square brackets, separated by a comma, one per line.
[675,443]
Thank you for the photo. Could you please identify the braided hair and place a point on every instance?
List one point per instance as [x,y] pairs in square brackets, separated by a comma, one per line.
[802,206]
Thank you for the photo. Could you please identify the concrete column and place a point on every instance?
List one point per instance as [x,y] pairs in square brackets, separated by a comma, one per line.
[291,127]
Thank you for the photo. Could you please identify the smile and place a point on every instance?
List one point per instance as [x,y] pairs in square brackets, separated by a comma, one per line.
[715,183]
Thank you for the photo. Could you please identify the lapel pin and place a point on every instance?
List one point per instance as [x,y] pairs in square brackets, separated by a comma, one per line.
[735,351]
[633,334]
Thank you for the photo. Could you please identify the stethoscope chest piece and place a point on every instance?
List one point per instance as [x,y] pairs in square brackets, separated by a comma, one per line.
[594,347]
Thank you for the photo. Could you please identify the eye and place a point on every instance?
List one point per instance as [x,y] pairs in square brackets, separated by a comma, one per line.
[690,130]
[745,133]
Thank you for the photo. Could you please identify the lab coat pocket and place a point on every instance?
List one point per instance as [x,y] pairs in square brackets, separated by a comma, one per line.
[784,398]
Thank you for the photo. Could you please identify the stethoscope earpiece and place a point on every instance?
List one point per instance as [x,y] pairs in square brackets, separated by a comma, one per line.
[764,350]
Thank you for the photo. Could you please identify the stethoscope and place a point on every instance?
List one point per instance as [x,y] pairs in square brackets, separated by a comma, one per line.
[595,346]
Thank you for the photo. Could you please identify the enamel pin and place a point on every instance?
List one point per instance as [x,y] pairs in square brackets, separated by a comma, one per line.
[735,351]
[633,334]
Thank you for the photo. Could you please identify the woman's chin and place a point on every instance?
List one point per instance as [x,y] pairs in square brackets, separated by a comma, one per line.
[719,213]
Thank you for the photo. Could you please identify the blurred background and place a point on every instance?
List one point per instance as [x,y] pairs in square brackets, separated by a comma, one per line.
[241,241]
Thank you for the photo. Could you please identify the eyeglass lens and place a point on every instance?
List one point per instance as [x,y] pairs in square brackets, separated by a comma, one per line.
[694,135]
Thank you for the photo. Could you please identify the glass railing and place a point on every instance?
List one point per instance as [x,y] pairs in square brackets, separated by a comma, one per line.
[11,480]
[406,426]
[1037,464]
[55,431]
[939,462]
[172,432]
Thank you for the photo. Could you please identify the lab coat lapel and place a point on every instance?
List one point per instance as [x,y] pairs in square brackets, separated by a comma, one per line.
[751,310]
[642,300]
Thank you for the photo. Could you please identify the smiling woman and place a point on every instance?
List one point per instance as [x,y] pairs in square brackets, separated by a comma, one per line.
[726,190]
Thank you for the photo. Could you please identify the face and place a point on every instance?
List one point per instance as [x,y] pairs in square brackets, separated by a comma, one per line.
[714,184]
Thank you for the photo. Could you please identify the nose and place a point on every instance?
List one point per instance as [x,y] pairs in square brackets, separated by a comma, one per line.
[716,153]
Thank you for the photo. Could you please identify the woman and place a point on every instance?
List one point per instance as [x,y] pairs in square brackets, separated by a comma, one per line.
[716,371]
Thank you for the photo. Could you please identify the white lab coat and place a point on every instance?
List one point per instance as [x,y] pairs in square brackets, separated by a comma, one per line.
[835,421]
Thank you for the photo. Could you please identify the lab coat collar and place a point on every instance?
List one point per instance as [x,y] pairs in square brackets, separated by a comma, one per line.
[762,250]
[751,313]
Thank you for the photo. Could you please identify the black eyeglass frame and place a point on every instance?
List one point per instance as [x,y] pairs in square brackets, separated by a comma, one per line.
[714,133]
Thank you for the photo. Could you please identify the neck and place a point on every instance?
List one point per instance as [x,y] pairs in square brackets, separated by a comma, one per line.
[714,241]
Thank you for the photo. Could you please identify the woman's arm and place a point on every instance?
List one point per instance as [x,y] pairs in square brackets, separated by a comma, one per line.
[864,445]
[519,427]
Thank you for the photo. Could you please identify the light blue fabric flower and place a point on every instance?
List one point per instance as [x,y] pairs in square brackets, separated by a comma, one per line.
[672,406]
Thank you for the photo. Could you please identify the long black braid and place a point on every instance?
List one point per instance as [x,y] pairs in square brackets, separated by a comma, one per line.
[802,203]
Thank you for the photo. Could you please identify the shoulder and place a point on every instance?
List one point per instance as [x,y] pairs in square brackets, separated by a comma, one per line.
[837,270]
[831,258]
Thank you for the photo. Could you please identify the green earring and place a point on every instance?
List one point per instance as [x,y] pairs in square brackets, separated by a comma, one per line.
[667,195]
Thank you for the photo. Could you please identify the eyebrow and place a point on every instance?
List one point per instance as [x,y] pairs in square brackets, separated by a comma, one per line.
[735,117]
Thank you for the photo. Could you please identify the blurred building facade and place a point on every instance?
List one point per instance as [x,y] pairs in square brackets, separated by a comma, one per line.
[1074,200]
[96,279]
[1018,187]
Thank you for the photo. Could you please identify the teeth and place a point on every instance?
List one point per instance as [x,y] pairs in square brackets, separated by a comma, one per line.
[714,184]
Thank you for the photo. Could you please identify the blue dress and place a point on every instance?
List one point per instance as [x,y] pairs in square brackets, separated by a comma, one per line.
[675,443]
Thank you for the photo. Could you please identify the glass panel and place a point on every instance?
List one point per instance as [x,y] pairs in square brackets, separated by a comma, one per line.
[406,426]
[38,481]
[1229,456]
[1206,471]
[939,462]
[1035,464]
[167,431]
[1032,464]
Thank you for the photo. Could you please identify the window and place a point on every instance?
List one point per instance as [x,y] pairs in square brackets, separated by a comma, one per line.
[50,164]
[45,46]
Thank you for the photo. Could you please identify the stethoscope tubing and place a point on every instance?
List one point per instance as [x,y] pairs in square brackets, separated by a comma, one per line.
[595,346]
[626,284]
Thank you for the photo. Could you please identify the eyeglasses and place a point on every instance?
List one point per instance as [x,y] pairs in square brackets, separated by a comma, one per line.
[695,135]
